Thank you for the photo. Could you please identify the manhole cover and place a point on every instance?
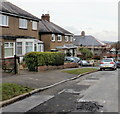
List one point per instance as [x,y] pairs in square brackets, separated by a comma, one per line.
[89,106]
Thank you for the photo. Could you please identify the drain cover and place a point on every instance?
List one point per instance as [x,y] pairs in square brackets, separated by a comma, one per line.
[89,106]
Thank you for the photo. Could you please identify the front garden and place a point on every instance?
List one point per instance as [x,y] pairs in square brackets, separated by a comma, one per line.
[80,71]
[10,90]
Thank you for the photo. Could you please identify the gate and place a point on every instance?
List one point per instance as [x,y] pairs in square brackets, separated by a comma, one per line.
[10,64]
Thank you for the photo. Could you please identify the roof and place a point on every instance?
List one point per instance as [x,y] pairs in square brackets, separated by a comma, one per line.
[66,46]
[11,9]
[49,27]
[87,40]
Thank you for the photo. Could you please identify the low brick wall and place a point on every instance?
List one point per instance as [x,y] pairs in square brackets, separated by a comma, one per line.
[66,65]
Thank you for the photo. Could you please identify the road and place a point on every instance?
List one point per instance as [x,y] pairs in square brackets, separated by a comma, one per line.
[100,87]
[96,92]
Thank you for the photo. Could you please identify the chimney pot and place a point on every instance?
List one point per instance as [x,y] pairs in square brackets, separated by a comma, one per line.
[83,33]
[45,17]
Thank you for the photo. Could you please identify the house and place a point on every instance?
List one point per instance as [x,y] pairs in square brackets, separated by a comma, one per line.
[55,38]
[19,31]
[113,51]
[87,41]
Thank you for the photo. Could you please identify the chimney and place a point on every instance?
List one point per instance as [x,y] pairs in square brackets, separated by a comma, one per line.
[83,33]
[45,17]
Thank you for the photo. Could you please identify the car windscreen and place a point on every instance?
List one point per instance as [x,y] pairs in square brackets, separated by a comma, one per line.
[106,60]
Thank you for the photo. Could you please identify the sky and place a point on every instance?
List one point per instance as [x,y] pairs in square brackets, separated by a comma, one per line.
[98,18]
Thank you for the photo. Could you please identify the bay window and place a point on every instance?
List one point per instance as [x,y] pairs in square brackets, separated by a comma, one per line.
[19,48]
[29,47]
[9,49]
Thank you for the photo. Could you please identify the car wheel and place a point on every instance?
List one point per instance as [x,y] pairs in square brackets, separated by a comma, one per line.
[101,69]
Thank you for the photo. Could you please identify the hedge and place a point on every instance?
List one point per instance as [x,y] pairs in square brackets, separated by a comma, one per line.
[35,59]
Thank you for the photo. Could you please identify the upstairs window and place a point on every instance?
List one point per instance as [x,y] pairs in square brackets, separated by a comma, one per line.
[34,25]
[3,20]
[66,39]
[53,37]
[71,38]
[23,23]
[59,38]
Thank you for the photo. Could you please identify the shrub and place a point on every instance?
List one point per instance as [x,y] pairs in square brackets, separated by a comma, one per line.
[35,59]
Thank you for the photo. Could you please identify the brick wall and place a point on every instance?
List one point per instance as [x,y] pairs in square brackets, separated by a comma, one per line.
[46,38]
[13,29]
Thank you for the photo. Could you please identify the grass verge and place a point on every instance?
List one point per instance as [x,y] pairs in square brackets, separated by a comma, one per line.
[80,71]
[10,90]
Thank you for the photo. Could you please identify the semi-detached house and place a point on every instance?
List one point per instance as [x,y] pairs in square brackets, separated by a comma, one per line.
[19,31]
[55,38]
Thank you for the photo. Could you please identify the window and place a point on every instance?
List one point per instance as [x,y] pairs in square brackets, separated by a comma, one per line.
[23,23]
[59,38]
[3,20]
[71,38]
[9,49]
[34,25]
[53,37]
[0,49]
[66,38]
[19,48]
[35,47]
[29,47]
[40,48]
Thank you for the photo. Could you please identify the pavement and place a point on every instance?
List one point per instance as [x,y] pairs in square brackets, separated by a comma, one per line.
[37,79]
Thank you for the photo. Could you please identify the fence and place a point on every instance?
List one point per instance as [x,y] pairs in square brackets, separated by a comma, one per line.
[10,64]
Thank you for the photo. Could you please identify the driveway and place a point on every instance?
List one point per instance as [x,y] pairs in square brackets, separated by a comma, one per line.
[37,79]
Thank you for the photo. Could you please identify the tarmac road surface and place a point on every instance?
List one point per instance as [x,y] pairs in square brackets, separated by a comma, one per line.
[100,87]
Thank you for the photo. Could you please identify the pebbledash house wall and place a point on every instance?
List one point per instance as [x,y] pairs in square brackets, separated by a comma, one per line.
[49,44]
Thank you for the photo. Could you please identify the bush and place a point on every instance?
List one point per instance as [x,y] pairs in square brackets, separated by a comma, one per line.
[35,59]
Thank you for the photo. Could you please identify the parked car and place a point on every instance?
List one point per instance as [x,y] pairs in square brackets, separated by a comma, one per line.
[118,64]
[92,62]
[108,63]
[84,63]
[72,59]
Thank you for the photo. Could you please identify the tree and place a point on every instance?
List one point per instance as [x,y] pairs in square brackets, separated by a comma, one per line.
[86,53]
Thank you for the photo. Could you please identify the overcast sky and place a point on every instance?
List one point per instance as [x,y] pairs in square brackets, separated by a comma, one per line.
[98,18]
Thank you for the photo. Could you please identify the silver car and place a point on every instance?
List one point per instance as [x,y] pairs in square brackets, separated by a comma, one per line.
[108,63]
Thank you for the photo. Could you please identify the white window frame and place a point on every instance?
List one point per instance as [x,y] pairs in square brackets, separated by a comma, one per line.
[34,25]
[53,37]
[29,46]
[59,36]
[4,19]
[9,46]
[71,38]
[66,38]
[19,46]
[23,23]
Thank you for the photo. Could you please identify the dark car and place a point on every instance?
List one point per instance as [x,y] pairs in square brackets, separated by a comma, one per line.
[118,64]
